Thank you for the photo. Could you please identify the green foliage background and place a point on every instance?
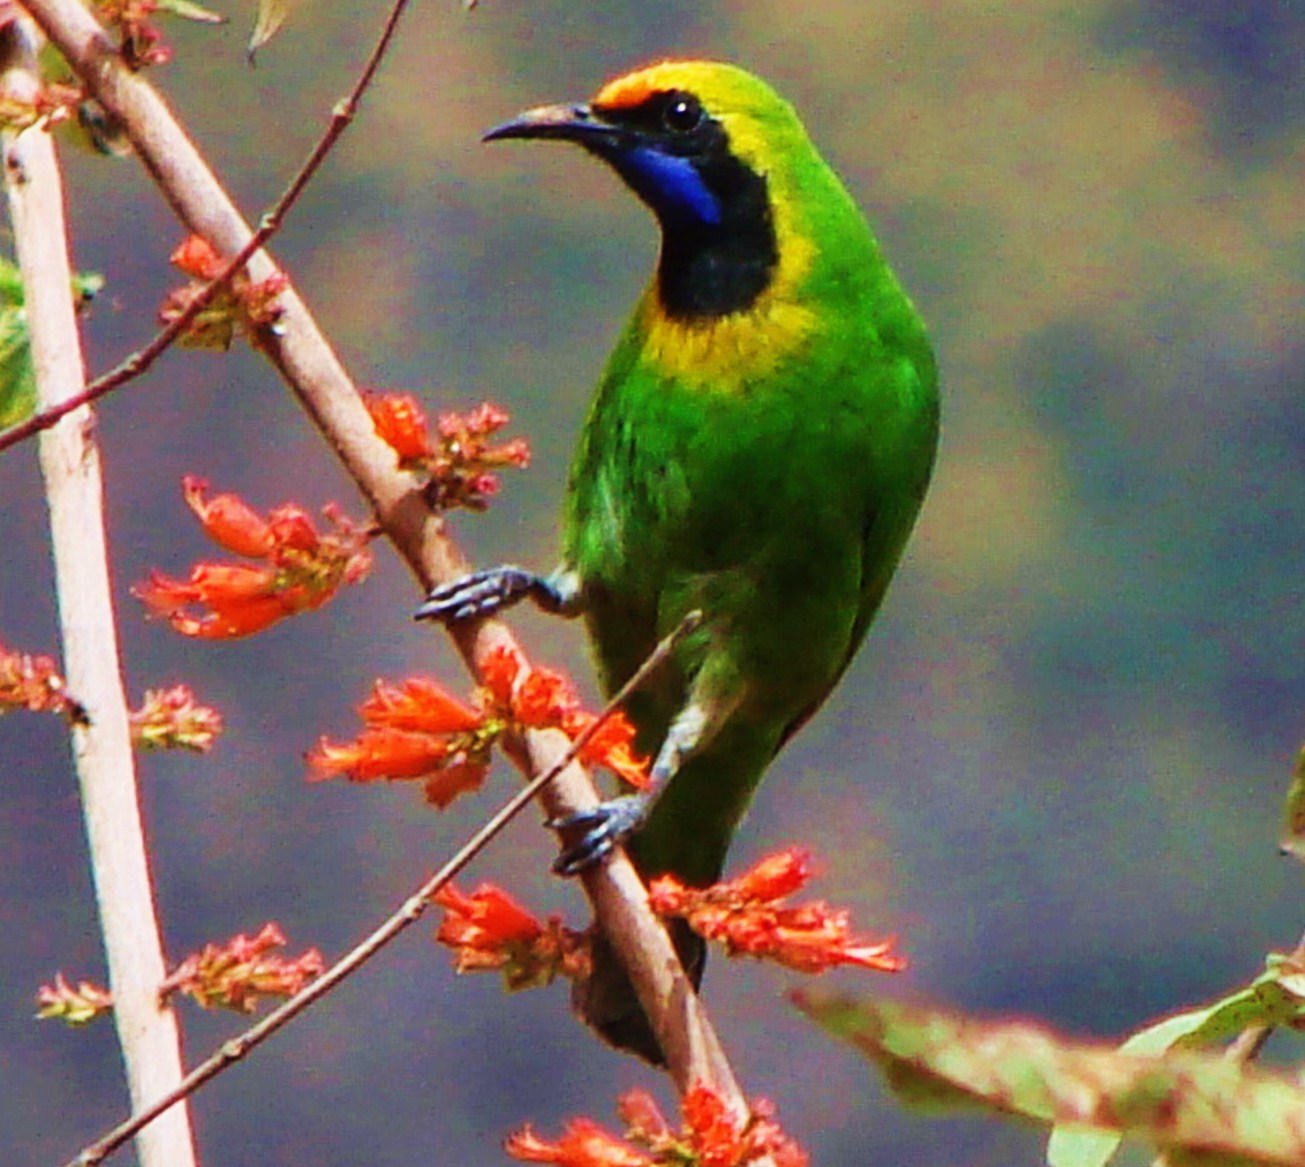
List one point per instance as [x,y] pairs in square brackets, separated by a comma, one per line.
[1055,769]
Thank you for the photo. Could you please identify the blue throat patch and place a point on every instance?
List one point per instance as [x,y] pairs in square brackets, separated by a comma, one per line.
[672,186]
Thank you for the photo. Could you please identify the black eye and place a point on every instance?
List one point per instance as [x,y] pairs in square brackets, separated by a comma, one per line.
[682,114]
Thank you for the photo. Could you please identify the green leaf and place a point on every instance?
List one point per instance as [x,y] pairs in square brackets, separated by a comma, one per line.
[86,286]
[1075,1147]
[1293,830]
[11,282]
[1183,1101]
[17,377]
[272,15]
[189,10]
[17,380]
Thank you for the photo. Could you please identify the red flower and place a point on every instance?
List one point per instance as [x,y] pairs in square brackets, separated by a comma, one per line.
[50,104]
[498,674]
[714,1132]
[214,584]
[416,730]
[394,755]
[171,719]
[303,568]
[235,975]
[33,683]
[74,1006]
[401,424]
[491,932]
[746,916]
[240,599]
[777,876]
[487,920]
[644,1122]
[228,520]
[241,306]
[195,256]
[612,747]
[419,705]
[544,698]
[719,1139]
[381,753]
[464,776]
[583,1144]
[460,462]
[712,1136]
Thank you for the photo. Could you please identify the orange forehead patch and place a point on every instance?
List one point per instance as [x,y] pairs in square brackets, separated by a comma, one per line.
[635,88]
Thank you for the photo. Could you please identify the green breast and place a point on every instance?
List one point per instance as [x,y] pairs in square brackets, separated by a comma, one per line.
[781,506]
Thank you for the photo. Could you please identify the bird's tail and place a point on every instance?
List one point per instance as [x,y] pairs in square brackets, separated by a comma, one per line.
[607,1003]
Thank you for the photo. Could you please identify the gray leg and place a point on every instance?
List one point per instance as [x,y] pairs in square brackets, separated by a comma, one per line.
[610,822]
[485,592]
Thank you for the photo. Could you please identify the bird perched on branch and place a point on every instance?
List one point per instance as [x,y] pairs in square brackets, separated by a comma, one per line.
[757,449]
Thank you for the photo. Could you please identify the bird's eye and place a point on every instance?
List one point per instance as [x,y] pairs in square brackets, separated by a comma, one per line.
[682,114]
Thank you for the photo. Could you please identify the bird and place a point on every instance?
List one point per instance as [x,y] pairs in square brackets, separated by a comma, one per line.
[758,449]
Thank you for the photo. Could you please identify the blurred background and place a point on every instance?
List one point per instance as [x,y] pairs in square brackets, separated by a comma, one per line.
[1055,769]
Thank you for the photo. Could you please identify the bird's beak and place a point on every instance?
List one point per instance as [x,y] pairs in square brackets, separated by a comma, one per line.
[568,123]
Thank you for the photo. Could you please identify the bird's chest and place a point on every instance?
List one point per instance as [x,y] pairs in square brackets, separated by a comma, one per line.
[672,481]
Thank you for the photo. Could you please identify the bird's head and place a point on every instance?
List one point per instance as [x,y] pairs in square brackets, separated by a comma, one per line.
[709,148]
[689,137]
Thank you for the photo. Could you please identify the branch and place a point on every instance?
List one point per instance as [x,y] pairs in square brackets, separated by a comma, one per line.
[102,750]
[310,368]
[409,912]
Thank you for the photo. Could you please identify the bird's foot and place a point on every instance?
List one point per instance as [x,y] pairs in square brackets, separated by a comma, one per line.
[604,826]
[482,593]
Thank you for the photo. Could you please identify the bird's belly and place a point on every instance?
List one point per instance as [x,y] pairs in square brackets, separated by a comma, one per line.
[776,630]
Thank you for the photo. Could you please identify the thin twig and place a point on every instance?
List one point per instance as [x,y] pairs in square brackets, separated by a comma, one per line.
[408,914]
[101,743]
[138,362]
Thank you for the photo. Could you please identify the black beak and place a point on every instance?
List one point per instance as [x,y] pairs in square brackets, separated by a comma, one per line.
[568,123]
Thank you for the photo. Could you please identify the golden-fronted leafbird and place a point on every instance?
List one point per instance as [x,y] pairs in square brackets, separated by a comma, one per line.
[757,450]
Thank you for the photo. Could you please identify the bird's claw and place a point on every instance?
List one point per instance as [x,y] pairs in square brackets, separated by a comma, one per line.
[604,826]
[480,594]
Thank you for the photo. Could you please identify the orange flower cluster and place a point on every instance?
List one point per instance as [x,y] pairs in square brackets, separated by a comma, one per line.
[420,730]
[711,1136]
[73,1006]
[236,974]
[142,43]
[33,683]
[747,916]
[460,461]
[416,730]
[242,306]
[545,699]
[170,719]
[491,932]
[301,569]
